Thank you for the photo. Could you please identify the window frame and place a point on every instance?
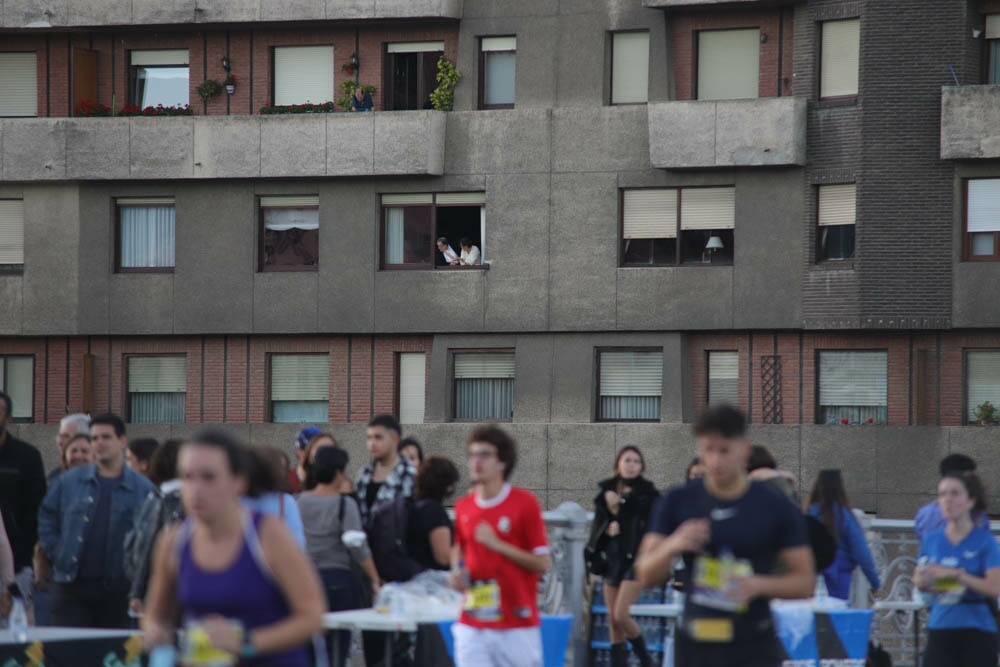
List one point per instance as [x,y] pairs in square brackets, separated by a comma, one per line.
[37,86]
[816,389]
[273,68]
[597,384]
[965,381]
[453,383]
[261,232]
[118,239]
[269,404]
[611,67]
[482,75]
[967,255]
[127,395]
[708,374]
[835,100]
[677,263]
[388,67]
[133,71]
[30,419]
[397,388]
[434,206]
[15,269]
[849,261]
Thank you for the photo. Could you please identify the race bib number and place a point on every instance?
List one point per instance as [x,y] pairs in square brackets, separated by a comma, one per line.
[482,601]
[710,579]
[713,630]
[948,591]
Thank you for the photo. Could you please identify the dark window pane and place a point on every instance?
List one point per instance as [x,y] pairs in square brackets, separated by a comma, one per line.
[693,250]
[994,56]
[981,244]
[664,251]
[638,251]
[408,235]
[836,242]
[456,223]
[293,247]
[403,73]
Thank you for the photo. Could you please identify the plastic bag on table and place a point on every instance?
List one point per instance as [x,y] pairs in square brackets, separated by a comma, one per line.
[428,593]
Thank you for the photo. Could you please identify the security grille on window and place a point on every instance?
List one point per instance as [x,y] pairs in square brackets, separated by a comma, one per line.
[497,72]
[853,387]
[300,387]
[728,64]
[146,234]
[17,380]
[836,218]
[157,389]
[412,382]
[839,58]
[629,67]
[982,219]
[484,386]
[158,77]
[702,218]
[630,385]
[723,378]
[11,233]
[289,233]
[993,48]
[427,231]
[982,377]
[303,74]
[19,84]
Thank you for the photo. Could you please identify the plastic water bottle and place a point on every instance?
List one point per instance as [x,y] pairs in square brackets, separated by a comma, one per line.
[18,622]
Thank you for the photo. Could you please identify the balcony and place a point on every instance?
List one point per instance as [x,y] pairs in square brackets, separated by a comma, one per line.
[671,4]
[970,122]
[404,143]
[80,13]
[728,133]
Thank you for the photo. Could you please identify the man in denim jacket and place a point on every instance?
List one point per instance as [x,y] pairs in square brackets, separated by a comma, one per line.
[82,525]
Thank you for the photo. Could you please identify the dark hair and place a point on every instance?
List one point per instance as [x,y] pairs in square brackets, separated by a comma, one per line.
[974,487]
[262,478]
[760,458]
[624,450]
[143,448]
[163,464]
[829,492]
[387,422]
[109,419]
[506,446]
[410,441]
[436,479]
[956,463]
[443,239]
[722,420]
[278,462]
[236,453]
[329,461]
[10,404]
[687,473]
[465,241]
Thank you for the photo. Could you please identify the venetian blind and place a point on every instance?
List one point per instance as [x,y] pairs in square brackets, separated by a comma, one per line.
[11,231]
[472,366]
[837,205]
[412,383]
[984,205]
[157,375]
[650,214]
[728,64]
[708,208]
[631,373]
[303,74]
[629,67]
[840,58]
[18,84]
[853,378]
[300,377]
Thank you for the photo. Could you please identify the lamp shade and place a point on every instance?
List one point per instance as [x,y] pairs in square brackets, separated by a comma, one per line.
[714,243]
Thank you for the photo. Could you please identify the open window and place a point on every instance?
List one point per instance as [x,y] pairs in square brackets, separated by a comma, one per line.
[411,74]
[159,76]
[669,226]
[427,231]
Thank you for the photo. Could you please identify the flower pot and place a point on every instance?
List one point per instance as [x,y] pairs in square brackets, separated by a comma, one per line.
[230,88]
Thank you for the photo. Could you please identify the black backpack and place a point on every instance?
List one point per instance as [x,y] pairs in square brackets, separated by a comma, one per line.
[387,540]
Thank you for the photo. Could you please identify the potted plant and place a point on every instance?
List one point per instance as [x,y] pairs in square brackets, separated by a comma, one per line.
[230,83]
[986,414]
[443,97]
[208,89]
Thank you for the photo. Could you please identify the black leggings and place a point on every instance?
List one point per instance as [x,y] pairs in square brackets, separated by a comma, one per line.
[962,647]
[761,651]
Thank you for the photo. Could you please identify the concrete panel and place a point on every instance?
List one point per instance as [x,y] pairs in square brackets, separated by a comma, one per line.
[100,12]
[573,378]
[535,79]
[685,298]
[11,303]
[97,147]
[349,253]
[970,122]
[676,378]
[503,8]
[407,301]
[240,431]
[681,134]
[24,13]
[142,303]
[227,11]
[227,147]
[34,149]
[583,206]
[281,436]
[161,147]
[666,4]
[969,308]
[409,143]
[783,443]
[921,447]
[350,144]
[580,455]
[600,139]
[473,138]
[980,443]
[534,375]
[901,506]
[849,448]
[387,9]
[577,79]
[293,145]
[156,11]
[284,302]
[51,239]
[350,9]
[97,254]
[582,497]
[532,454]
[666,448]
[293,11]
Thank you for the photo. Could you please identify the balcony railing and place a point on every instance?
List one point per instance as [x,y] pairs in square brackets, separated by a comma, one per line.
[970,122]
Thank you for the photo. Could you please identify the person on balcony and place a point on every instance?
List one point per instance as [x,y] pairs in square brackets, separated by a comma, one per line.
[362,100]
[470,253]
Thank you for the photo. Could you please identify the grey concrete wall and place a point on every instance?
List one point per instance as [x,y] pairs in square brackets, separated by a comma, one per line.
[970,122]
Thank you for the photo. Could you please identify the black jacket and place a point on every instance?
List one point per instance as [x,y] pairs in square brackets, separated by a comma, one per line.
[22,489]
[633,516]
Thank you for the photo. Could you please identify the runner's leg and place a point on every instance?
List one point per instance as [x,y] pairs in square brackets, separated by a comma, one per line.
[520,647]
[472,646]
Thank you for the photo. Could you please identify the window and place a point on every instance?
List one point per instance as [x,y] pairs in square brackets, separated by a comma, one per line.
[411,383]
[853,387]
[484,386]
[411,74]
[289,233]
[303,74]
[723,378]
[630,385]
[839,58]
[728,64]
[702,219]
[835,218]
[497,65]
[629,67]
[157,388]
[412,225]
[19,83]
[993,48]
[146,235]
[982,219]
[11,234]
[17,380]
[982,377]
[300,388]
[159,77]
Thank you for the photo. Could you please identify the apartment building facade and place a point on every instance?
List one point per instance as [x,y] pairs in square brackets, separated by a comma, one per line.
[789,206]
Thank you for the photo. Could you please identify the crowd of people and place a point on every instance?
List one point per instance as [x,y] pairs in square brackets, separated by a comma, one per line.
[244,550]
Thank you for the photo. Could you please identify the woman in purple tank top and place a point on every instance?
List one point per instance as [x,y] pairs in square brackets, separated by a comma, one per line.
[237,578]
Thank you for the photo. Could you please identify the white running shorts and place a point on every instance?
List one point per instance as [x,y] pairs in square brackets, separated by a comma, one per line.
[516,647]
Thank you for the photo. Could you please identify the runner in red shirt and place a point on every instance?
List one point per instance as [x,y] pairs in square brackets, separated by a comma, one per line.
[500,551]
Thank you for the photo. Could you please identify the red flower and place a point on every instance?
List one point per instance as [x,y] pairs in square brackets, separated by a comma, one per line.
[870,420]
[845,421]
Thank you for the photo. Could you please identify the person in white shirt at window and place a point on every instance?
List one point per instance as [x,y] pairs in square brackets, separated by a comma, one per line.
[450,256]
[470,253]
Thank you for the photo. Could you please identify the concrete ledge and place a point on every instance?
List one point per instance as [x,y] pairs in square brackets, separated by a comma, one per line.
[970,122]
[407,143]
[669,4]
[728,133]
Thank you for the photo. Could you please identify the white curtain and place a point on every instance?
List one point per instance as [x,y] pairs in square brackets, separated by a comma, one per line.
[394,229]
[297,412]
[156,408]
[630,408]
[484,399]
[147,236]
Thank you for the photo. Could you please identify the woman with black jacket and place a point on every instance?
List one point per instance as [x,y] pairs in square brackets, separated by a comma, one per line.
[621,512]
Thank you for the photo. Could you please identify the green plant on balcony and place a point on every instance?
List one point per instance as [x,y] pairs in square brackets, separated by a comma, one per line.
[208,89]
[985,413]
[443,97]
[308,107]
[347,88]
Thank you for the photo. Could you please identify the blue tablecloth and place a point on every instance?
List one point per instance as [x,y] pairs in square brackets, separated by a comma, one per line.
[555,638]
[829,635]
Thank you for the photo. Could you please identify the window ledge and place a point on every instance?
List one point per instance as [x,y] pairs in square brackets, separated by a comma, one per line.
[11,269]
[833,265]
[837,102]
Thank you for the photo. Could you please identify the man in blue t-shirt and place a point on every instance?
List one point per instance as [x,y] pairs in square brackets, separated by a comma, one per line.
[929,517]
[731,534]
